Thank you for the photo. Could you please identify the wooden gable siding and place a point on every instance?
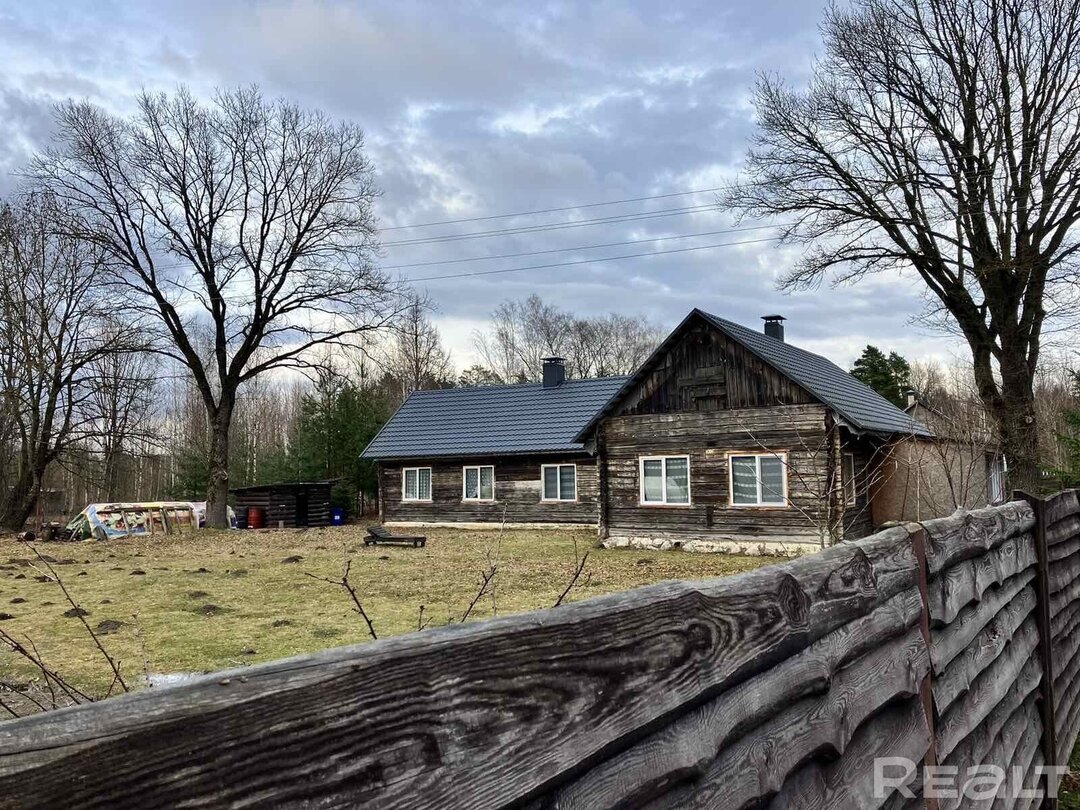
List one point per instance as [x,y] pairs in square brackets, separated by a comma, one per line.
[707,371]
[517,492]
[708,438]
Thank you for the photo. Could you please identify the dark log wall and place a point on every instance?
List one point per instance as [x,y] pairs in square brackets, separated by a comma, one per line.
[953,642]
[279,503]
[706,371]
[858,517]
[708,438]
[517,492]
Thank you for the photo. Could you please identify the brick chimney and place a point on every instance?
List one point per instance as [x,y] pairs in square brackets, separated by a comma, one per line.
[554,371]
[774,326]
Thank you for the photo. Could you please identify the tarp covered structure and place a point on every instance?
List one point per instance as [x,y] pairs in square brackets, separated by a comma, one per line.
[107,521]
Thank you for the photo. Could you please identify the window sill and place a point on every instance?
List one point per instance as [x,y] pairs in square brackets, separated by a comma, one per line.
[653,505]
[478,500]
[417,500]
[773,507]
[558,500]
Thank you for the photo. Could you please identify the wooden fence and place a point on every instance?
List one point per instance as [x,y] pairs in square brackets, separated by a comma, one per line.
[952,642]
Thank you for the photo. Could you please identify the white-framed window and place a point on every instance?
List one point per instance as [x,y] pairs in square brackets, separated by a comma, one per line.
[848,473]
[478,483]
[664,480]
[758,479]
[558,482]
[416,484]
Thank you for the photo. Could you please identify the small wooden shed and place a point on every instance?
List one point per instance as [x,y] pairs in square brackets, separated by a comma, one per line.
[289,504]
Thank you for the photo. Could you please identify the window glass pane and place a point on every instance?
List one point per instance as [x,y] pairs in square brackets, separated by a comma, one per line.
[423,488]
[410,484]
[678,480]
[487,483]
[744,479]
[567,474]
[551,483]
[772,479]
[653,471]
[472,475]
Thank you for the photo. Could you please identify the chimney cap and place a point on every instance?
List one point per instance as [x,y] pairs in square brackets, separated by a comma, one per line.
[553,359]
[773,318]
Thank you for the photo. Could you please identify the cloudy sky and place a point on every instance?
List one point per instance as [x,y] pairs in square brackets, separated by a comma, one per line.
[477,109]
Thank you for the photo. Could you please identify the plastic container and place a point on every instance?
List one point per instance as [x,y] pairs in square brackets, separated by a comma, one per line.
[256,517]
[337,516]
[241,517]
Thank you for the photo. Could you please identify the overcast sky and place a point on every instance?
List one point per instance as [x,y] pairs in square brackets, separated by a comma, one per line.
[484,108]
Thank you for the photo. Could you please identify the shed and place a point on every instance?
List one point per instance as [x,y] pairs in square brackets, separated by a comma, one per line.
[292,504]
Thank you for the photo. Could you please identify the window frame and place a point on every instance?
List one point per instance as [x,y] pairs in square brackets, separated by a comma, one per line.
[853,498]
[663,482]
[558,484]
[479,483]
[780,455]
[418,499]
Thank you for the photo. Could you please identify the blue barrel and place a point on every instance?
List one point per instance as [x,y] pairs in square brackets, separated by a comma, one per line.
[337,516]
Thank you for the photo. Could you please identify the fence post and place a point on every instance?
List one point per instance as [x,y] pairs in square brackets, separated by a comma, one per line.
[1042,617]
[926,688]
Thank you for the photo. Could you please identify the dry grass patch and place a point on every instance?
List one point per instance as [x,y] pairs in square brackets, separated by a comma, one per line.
[219,599]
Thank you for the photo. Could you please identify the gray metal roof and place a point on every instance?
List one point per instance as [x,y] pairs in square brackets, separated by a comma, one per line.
[862,407]
[493,420]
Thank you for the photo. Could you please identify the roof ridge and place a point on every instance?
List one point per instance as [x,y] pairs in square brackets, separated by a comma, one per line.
[504,386]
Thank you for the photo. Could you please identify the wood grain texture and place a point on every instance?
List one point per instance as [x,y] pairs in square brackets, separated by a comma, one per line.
[758,764]
[454,717]
[948,641]
[1063,505]
[847,783]
[970,534]
[987,689]
[964,582]
[682,751]
[987,645]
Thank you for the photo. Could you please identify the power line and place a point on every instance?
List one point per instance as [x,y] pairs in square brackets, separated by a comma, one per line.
[593,261]
[575,247]
[555,226]
[552,210]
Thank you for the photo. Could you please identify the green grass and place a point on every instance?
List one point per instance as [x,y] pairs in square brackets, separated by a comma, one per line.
[247,605]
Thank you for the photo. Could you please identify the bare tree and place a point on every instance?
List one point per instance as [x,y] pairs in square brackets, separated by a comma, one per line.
[121,398]
[51,316]
[524,332]
[415,356]
[939,136]
[250,217]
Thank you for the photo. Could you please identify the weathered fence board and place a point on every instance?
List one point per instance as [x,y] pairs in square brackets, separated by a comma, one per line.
[953,641]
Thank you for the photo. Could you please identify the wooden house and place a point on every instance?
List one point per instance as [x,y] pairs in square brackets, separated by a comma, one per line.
[287,504]
[726,438]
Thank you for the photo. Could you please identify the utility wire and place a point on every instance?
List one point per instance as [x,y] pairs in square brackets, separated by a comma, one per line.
[556,226]
[593,261]
[575,247]
[552,210]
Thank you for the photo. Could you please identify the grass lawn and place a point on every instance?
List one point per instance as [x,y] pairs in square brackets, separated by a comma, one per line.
[212,600]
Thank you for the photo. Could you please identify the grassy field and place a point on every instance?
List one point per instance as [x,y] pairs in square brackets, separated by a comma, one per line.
[220,599]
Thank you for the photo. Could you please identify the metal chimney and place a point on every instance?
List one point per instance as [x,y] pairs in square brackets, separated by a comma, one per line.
[554,371]
[774,326]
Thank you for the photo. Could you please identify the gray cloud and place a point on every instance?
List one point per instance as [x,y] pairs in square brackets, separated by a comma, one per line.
[478,108]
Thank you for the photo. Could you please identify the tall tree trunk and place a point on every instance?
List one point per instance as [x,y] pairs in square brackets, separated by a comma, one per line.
[17,504]
[218,491]
[1018,427]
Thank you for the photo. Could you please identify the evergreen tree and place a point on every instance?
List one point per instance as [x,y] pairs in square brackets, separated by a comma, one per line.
[889,375]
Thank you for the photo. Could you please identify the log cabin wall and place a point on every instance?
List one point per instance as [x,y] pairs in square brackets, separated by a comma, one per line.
[517,492]
[709,438]
[279,503]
